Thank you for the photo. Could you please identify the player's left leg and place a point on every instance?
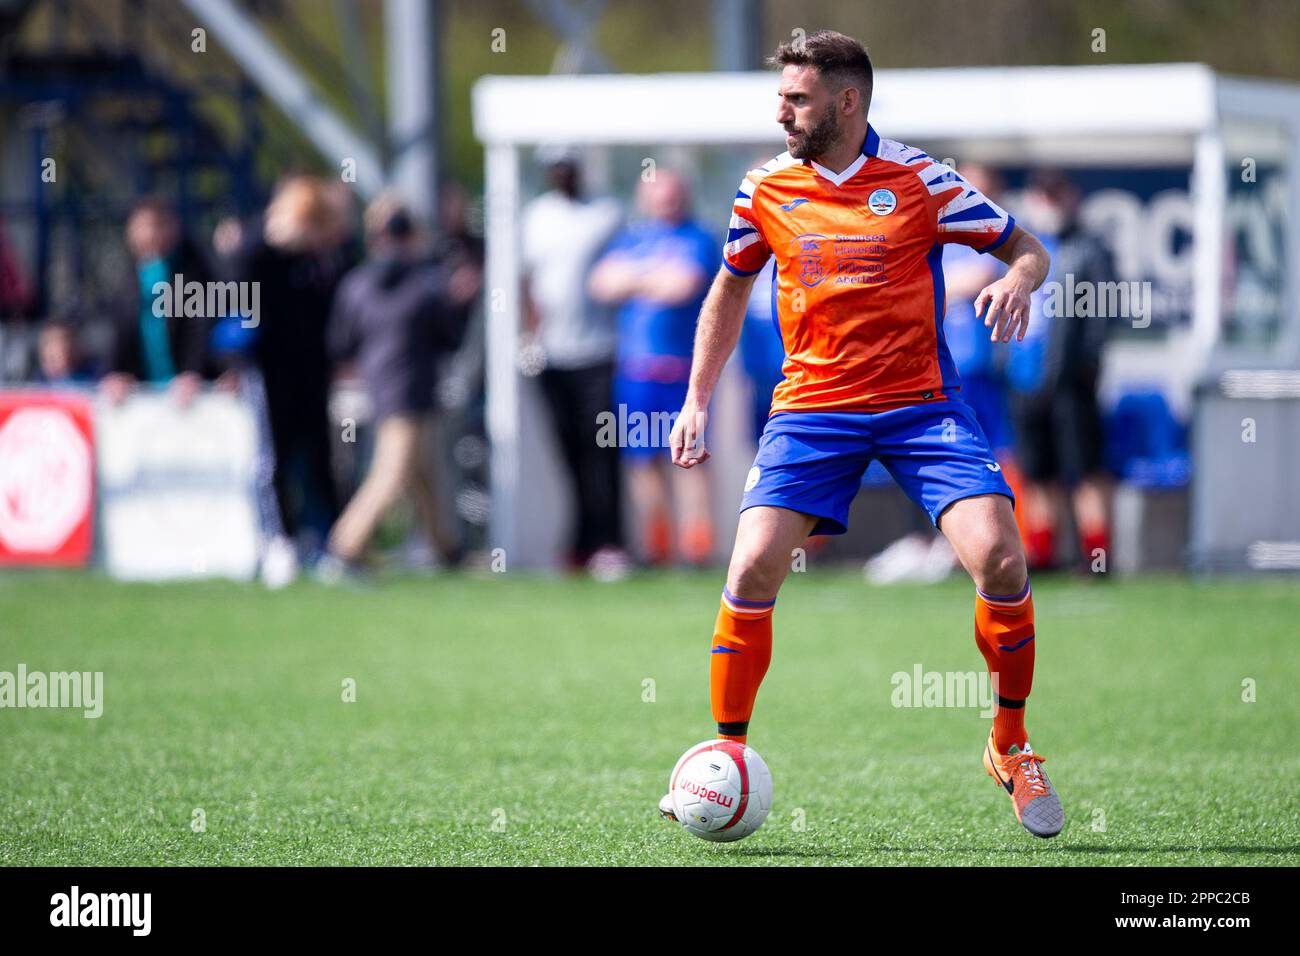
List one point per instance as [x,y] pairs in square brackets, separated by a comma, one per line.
[983,532]
[939,455]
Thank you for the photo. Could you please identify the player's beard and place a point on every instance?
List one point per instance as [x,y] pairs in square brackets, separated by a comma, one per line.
[820,138]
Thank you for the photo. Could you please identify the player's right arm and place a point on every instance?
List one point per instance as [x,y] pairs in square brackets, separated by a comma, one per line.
[716,334]
[744,254]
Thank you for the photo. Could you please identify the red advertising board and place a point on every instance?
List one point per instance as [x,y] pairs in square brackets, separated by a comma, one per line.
[47,478]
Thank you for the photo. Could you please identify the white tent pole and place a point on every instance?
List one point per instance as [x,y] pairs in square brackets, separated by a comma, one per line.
[1209,204]
[501,191]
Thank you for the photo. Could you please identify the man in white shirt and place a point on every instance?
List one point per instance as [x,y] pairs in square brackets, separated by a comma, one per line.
[563,232]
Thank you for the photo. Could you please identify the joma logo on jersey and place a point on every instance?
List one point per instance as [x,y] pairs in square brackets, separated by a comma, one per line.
[796,202]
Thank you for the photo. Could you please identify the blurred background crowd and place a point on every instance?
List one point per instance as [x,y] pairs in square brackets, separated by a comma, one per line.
[360,308]
[381,301]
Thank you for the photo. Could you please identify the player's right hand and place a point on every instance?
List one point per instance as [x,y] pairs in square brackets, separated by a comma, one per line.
[687,437]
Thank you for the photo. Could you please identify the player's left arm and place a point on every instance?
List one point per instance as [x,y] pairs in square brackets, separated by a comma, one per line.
[1007,298]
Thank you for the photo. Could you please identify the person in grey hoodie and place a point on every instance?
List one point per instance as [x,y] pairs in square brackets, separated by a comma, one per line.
[395,315]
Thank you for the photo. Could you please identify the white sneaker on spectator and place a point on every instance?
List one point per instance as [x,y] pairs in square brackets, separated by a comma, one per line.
[418,554]
[279,565]
[939,561]
[609,564]
[901,561]
[333,571]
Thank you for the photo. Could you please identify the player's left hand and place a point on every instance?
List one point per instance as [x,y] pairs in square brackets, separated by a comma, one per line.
[1007,301]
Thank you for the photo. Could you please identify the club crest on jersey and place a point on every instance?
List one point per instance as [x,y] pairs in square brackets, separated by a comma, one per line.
[882,202]
[752,479]
[812,259]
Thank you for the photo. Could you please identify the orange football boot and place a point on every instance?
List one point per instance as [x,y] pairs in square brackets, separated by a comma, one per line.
[1020,774]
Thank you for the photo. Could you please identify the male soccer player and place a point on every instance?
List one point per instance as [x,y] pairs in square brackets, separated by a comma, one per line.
[857,224]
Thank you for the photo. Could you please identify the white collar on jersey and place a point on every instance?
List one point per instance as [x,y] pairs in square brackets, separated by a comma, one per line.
[870,147]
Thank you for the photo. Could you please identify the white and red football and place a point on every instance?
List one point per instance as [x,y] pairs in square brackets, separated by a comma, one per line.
[721,790]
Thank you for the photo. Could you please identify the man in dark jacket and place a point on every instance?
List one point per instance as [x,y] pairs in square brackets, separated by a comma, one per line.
[153,344]
[1053,381]
[394,317]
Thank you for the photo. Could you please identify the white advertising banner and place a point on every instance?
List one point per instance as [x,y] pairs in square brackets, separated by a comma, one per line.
[177,488]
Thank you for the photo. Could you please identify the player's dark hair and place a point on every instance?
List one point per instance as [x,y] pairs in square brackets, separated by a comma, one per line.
[840,60]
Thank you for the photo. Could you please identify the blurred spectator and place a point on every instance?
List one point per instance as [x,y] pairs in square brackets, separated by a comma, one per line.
[1053,377]
[58,353]
[458,249]
[562,234]
[298,260]
[464,451]
[658,271]
[228,238]
[394,315]
[16,302]
[15,294]
[349,246]
[148,347]
[233,347]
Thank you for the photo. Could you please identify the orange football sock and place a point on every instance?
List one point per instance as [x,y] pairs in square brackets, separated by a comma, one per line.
[742,649]
[1004,631]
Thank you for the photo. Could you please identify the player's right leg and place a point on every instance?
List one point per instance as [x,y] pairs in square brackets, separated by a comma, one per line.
[806,473]
[742,633]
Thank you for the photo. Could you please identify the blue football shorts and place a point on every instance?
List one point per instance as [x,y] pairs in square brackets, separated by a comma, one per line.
[813,462]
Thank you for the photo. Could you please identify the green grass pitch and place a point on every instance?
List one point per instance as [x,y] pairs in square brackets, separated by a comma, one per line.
[505,719]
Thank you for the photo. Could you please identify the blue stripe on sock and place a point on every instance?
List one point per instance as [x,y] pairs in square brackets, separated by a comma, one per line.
[1024,592]
[741,602]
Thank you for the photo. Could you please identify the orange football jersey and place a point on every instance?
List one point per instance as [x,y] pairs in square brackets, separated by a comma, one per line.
[858,287]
